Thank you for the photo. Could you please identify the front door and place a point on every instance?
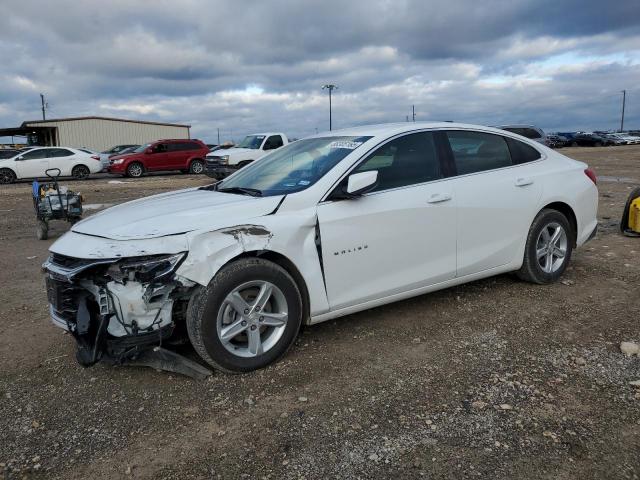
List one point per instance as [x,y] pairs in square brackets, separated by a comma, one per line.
[399,237]
[33,164]
[158,159]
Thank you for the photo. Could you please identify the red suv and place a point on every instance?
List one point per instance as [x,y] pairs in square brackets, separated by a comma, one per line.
[184,155]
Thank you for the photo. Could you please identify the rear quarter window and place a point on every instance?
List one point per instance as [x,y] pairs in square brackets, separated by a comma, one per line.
[521,152]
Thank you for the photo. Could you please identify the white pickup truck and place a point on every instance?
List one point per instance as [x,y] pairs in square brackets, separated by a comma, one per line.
[224,162]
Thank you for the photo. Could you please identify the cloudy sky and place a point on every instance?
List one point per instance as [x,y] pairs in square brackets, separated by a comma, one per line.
[249,65]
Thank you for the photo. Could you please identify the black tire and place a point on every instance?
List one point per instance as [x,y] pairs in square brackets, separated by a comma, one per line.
[205,305]
[196,167]
[531,270]
[80,172]
[135,170]
[7,176]
[598,144]
[42,230]
[244,164]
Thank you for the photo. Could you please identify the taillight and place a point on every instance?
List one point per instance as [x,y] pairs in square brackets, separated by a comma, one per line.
[592,175]
[95,157]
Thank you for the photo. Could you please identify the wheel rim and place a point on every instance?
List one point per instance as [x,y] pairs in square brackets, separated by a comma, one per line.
[197,167]
[81,172]
[135,170]
[5,177]
[252,318]
[551,247]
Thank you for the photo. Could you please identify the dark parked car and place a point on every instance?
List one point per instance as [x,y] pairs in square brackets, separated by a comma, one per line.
[162,155]
[8,152]
[528,131]
[590,140]
[557,141]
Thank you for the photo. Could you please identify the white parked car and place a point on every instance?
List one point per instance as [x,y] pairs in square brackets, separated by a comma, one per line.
[35,162]
[221,163]
[327,226]
[630,139]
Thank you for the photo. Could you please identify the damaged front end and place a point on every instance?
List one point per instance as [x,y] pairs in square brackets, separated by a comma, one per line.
[117,309]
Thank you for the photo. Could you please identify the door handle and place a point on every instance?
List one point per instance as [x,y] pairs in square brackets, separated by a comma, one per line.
[439,197]
[523,182]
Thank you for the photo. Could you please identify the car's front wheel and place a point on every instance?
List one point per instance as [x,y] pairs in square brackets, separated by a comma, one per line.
[548,249]
[135,170]
[247,317]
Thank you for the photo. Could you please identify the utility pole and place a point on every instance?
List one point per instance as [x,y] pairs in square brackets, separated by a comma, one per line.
[413,112]
[331,88]
[624,99]
[43,105]
[407,118]
[218,136]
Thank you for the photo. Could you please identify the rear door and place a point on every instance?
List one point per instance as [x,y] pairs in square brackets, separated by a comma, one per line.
[61,158]
[496,196]
[33,163]
[399,237]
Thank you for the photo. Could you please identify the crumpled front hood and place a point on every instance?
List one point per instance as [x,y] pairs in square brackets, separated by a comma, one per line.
[175,213]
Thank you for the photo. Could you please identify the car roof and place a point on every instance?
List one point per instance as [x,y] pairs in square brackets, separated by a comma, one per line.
[389,129]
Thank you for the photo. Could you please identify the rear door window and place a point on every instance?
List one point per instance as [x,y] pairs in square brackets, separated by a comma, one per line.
[59,152]
[478,151]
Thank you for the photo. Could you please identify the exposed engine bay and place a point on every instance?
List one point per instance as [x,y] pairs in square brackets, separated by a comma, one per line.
[118,309]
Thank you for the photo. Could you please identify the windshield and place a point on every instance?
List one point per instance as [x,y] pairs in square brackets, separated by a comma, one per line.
[293,167]
[141,148]
[251,141]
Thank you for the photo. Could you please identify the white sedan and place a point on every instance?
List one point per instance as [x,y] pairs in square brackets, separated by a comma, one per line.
[35,162]
[327,226]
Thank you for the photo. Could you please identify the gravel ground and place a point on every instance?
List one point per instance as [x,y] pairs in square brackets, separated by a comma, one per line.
[494,379]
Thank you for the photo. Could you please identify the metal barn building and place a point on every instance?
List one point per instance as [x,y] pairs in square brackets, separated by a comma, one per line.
[96,133]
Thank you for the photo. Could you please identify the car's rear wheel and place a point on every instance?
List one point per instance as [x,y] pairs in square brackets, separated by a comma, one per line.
[247,317]
[80,172]
[135,169]
[7,176]
[548,249]
[196,167]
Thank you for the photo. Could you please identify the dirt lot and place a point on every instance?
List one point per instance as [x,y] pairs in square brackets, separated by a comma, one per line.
[495,379]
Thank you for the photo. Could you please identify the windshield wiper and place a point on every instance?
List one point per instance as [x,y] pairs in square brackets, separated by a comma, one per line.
[254,192]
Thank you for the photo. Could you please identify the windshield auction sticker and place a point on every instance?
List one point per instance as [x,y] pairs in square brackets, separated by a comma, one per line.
[345,144]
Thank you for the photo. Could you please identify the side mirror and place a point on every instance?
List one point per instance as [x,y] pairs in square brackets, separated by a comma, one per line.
[149,150]
[361,183]
[20,158]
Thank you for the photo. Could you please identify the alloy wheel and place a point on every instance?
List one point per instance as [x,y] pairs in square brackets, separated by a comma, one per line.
[135,170]
[551,247]
[197,167]
[252,318]
[6,176]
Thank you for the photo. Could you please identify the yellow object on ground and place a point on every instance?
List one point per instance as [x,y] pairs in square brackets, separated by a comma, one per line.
[634,215]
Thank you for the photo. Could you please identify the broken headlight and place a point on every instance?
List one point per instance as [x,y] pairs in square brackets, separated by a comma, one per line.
[145,269]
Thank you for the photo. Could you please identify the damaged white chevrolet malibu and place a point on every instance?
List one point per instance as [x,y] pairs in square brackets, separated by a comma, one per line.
[324,227]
